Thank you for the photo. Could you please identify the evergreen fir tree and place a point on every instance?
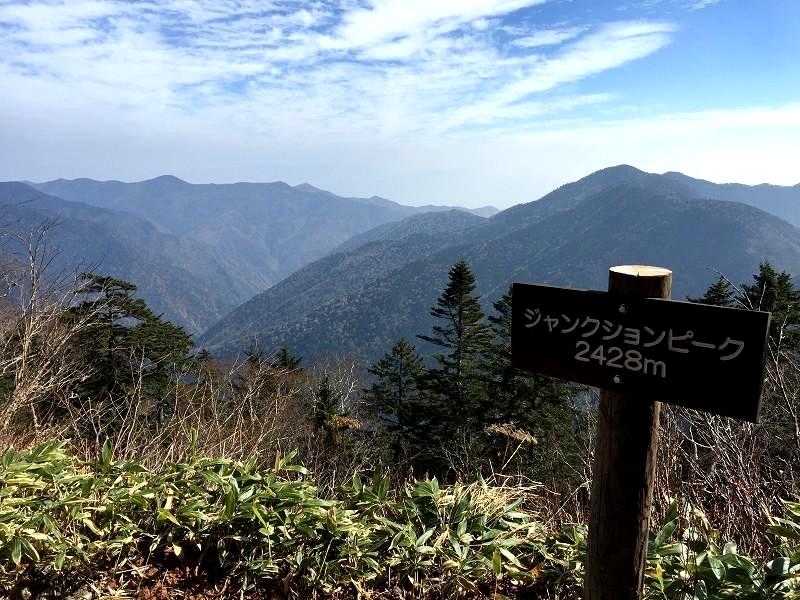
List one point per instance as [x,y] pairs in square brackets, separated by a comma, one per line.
[536,404]
[455,382]
[771,291]
[514,394]
[325,402]
[127,339]
[774,292]
[254,355]
[161,351]
[286,359]
[396,392]
[720,293]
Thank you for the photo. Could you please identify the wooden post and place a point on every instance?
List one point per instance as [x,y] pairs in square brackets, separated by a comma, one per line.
[624,466]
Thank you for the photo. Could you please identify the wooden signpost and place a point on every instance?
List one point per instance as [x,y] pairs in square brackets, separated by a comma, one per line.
[640,348]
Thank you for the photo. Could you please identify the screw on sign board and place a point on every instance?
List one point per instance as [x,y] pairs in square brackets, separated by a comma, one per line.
[640,348]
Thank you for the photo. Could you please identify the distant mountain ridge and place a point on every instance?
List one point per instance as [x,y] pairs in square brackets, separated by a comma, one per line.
[267,230]
[184,279]
[362,299]
[781,201]
[353,272]
[195,251]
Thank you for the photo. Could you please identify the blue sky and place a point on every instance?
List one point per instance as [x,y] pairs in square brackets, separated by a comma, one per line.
[448,101]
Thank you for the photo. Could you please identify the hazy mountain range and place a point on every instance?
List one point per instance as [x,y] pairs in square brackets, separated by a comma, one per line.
[195,251]
[781,201]
[186,280]
[268,230]
[274,264]
[362,299]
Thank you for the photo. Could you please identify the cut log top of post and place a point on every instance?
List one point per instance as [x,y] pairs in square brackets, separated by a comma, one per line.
[640,280]
[641,271]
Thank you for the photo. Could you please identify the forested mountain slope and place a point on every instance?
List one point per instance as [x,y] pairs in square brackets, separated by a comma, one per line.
[445,223]
[182,278]
[295,302]
[569,237]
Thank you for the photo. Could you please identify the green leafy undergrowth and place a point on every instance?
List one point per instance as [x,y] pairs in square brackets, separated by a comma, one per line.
[268,527]
[688,560]
[260,525]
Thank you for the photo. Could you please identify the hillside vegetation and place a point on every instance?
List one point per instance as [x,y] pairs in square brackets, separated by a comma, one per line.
[134,468]
[214,527]
[195,251]
[185,279]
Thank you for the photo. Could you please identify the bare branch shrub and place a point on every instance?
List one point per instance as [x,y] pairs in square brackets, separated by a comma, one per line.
[351,441]
[736,472]
[38,356]
[250,409]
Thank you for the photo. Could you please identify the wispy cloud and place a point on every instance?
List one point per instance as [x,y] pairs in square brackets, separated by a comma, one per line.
[390,66]
[700,4]
[386,20]
[454,97]
[548,37]
[609,46]
[690,5]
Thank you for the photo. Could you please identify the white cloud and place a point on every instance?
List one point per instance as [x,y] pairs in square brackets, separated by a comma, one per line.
[690,5]
[392,97]
[389,19]
[55,15]
[700,4]
[548,37]
[611,46]
[393,67]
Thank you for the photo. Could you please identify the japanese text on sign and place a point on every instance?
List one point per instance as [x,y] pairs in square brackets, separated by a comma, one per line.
[706,357]
[597,335]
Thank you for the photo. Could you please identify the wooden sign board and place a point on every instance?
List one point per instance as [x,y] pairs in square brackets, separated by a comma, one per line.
[704,357]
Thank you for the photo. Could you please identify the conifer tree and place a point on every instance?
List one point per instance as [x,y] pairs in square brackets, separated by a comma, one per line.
[396,392]
[462,335]
[720,293]
[514,394]
[325,402]
[538,405]
[774,292]
[254,355]
[771,291]
[126,340]
[286,360]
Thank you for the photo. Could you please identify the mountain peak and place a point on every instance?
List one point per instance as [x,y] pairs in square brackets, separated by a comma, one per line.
[622,169]
[307,187]
[166,179]
[485,211]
